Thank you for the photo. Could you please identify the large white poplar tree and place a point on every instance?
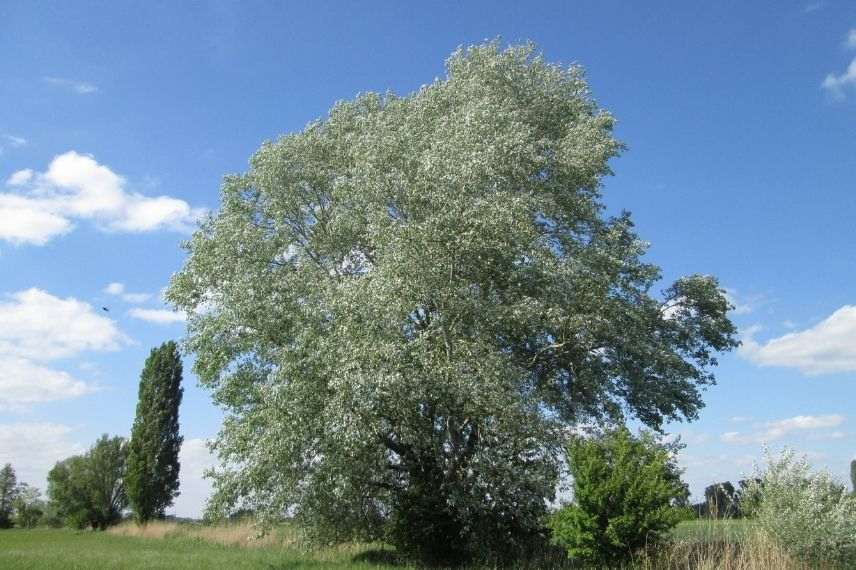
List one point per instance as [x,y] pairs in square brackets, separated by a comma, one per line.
[404,307]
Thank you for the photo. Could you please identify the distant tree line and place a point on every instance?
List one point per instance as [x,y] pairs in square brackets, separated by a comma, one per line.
[20,503]
[94,489]
[724,500]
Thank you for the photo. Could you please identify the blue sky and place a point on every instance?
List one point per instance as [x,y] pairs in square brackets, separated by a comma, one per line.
[117,121]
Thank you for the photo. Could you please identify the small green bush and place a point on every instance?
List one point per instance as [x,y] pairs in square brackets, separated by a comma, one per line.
[810,514]
[625,492]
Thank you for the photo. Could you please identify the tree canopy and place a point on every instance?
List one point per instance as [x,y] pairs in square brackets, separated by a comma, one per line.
[89,489]
[405,306]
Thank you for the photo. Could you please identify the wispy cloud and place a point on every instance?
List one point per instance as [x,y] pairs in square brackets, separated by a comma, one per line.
[775,430]
[41,206]
[118,290]
[850,42]
[158,316]
[743,304]
[829,347]
[813,7]
[838,85]
[11,141]
[79,87]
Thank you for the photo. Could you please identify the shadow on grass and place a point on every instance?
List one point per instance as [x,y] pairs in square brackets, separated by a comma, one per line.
[378,556]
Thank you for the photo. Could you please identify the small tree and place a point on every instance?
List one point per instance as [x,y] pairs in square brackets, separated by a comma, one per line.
[624,497]
[811,514]
[89,489]
[153,465]
[8,491]
[29,506]
[721,500]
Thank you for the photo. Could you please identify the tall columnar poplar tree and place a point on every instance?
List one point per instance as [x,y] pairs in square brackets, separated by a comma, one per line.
[152,479]
[405,306]
[8,492]
[853,475]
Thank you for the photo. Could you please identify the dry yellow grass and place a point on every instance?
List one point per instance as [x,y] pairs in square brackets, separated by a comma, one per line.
[243,533]
[751,551]
[755,551]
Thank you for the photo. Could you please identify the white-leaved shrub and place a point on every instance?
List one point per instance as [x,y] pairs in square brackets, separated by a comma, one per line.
[809,513]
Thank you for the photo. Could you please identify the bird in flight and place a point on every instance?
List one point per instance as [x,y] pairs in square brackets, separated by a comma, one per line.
[105,309]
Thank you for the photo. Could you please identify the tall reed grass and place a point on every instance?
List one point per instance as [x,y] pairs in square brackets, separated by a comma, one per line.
[702,545]
[717,549]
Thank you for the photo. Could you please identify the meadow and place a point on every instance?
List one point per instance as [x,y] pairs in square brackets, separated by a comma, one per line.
[697,545]
[169,545]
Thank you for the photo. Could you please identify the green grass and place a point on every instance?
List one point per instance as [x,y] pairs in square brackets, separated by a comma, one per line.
[707,531]
[49,549]
[62,548]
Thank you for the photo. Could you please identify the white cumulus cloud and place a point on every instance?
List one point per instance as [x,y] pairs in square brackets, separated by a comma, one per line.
[37,327]
[41,206]
[828,347]
[24,383]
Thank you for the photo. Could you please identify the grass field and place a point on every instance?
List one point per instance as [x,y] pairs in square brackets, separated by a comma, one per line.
[697,545]
[85,550]
[707,531]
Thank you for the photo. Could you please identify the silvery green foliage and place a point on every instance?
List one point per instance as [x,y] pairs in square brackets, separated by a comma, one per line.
[404,305]
[809,513]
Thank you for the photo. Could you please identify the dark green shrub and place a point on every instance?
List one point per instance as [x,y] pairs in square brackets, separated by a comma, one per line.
[625,491]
